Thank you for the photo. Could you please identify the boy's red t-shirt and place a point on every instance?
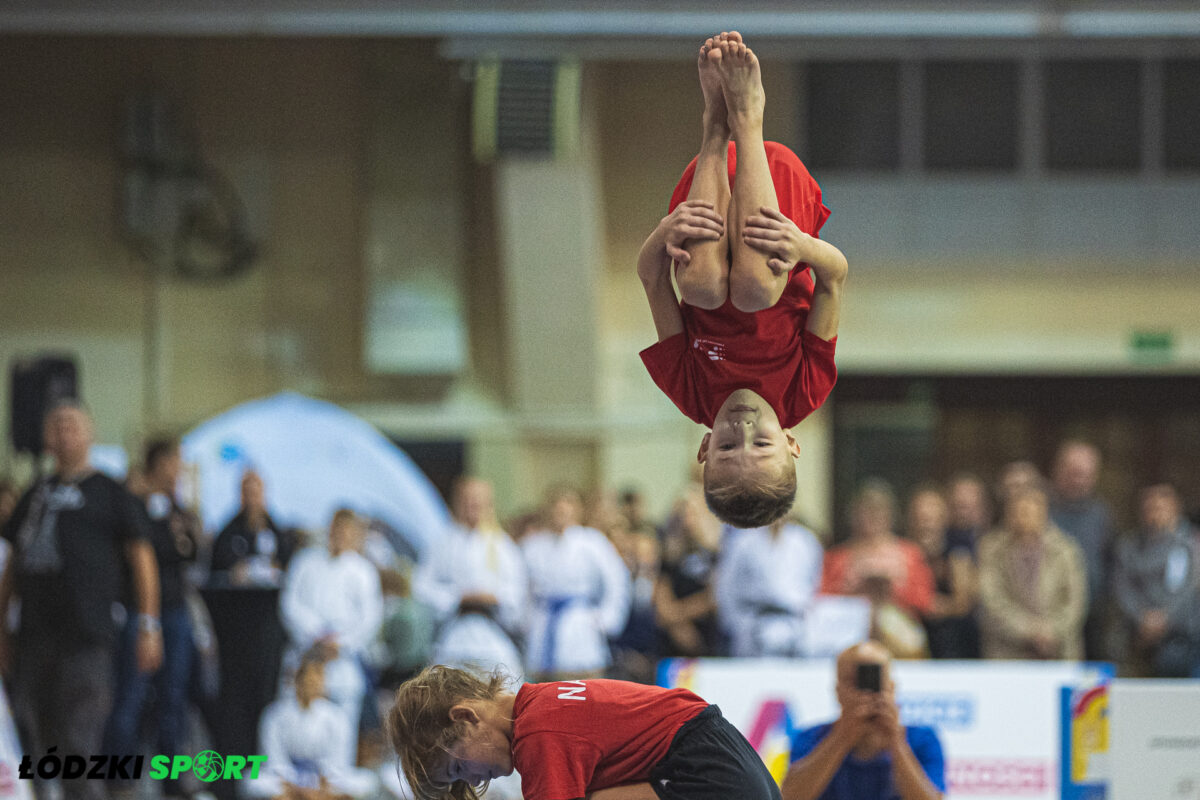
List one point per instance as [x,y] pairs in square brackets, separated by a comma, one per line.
[723,349]
[573,737]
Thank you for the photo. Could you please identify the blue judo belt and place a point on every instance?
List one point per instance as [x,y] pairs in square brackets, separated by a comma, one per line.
[555,607]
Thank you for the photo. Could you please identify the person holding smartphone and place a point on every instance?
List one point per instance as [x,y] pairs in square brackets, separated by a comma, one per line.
[866,754]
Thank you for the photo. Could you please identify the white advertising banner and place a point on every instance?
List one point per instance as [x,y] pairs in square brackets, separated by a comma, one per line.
[999,722]
[1154,740]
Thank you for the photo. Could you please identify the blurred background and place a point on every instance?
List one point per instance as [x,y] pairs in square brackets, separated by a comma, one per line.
[428,213]
[351,251]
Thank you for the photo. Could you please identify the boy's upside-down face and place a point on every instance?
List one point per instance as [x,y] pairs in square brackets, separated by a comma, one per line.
[746,439]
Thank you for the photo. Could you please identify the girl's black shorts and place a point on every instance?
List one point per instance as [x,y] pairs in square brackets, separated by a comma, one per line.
[709,759]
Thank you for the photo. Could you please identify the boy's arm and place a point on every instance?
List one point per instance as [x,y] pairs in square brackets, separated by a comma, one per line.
[829,273]
[654,268]
[691,220]
[772,233]
[664,305]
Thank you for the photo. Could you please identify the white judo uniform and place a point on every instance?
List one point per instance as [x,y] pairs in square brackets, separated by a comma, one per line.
[580,591]
[302,745]
[338,598]
[464,562]
[765,585]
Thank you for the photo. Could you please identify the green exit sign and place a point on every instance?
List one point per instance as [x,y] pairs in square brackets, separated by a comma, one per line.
[1151,346]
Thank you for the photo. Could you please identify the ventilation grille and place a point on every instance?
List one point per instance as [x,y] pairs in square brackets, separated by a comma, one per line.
[525,108]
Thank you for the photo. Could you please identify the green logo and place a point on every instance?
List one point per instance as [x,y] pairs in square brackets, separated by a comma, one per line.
[208,765]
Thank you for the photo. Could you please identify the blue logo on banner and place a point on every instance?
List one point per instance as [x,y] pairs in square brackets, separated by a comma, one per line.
[944,711]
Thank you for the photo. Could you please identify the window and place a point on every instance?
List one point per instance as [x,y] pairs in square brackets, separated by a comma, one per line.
[952,115]
[971,115]
[1093,115]
[1181,112]
[853,117]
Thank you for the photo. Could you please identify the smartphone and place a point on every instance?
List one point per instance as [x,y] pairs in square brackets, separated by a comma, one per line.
[869,677]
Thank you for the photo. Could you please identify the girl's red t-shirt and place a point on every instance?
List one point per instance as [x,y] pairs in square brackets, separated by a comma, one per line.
[574,737]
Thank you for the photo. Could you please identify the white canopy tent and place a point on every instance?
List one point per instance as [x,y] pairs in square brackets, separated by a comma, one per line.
[314,457]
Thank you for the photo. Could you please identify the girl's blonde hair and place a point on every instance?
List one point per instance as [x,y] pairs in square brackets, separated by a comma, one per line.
[422,732]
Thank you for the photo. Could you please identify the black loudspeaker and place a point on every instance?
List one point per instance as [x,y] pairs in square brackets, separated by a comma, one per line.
[37,384]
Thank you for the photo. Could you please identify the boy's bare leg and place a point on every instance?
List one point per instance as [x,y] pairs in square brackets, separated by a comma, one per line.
[704,280]
[753,286]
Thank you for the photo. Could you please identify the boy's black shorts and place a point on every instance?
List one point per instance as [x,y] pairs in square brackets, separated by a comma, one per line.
[709,759]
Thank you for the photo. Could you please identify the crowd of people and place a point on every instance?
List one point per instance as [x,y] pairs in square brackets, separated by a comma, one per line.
[300,636]
[1033,568]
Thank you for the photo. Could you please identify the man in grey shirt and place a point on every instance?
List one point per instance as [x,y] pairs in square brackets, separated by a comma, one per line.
[1155,580]
[1085,517]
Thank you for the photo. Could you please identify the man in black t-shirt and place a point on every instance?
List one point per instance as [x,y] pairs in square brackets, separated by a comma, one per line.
[75,535]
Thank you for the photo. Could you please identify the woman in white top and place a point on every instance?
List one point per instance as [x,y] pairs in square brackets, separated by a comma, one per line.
[473,577]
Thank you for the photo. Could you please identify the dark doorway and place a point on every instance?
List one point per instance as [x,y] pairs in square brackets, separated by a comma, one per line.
[442,460]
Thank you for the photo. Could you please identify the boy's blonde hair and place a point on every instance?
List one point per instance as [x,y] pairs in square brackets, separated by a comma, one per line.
[422,732]
[752,501]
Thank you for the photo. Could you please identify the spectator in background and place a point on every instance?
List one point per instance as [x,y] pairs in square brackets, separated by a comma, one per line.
[408,630]
[600,509]
[305,738]
[9,495]
[635,648]
[877,564]
[473,578]
[332,602]
[950,621]
[866,754]
[1081,514]
[76,535]
[251,549]
[1032,585]
[1014,477]
[766,580]
[1155,582]
[524,523]
[580,592]
[242,597]
[633,506]
[970,513]
[175,534]
[684,597]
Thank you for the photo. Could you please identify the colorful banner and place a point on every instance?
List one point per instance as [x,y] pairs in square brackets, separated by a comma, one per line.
[1085,721]
[999,721]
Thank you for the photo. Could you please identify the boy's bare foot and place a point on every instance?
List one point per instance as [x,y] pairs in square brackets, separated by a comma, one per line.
[728,37]
[741,81]
[715,114]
